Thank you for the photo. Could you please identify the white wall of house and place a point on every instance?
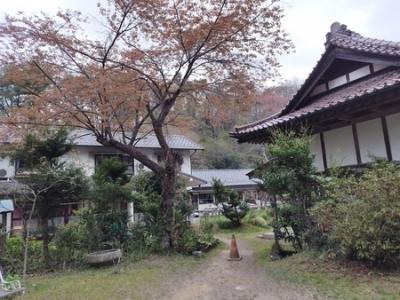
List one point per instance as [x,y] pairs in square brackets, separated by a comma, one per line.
[84,157]
[338,81]
[339,145]
[316,149]
[7,165]
[361,72]
[81,157]
[371,140]
[187,165]
[393,124]
[341,80]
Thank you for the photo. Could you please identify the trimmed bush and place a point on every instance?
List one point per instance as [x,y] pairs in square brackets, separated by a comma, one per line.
[361,218]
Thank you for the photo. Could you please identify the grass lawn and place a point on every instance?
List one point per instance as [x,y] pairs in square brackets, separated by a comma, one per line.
[331,279]
[140,280]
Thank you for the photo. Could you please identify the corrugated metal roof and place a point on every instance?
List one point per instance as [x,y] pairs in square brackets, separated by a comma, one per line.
[228,177]
[175,141]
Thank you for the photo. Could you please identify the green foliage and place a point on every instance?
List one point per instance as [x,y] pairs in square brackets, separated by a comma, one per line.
[222,152]
[147,201]
[194,240]
[107,220]
[46,148]
[70,246]
[12,259]
[49,181]
[111,170]
[233,207]
[360,217]
[258,217]
[289,174]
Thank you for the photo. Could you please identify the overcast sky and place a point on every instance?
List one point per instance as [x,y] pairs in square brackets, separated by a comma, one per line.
[306,21]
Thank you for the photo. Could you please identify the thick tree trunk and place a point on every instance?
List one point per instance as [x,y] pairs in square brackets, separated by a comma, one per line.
[167,202]
[46,241]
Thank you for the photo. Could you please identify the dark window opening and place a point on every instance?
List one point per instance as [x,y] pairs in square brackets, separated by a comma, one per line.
[206,198]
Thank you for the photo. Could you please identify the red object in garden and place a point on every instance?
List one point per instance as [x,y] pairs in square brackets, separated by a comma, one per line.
[234,251]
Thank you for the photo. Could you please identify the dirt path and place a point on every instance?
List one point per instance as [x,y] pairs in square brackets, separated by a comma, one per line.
[219,279]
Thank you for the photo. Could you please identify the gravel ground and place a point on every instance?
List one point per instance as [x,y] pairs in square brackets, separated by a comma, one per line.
[219,278]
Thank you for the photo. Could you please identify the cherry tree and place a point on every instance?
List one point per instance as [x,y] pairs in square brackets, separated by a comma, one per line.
[128,78]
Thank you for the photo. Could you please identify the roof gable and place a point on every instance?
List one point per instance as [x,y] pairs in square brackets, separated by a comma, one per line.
[346,53]
[344,44]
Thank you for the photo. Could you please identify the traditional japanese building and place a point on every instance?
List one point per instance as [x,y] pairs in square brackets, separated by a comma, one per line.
[350,102]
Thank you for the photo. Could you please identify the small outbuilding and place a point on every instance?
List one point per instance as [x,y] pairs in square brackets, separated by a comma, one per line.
[237,179]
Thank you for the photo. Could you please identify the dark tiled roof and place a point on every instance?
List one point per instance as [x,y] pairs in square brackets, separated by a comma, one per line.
[341,37]
[229,177]
[367,86]
[176,141]
[338,37]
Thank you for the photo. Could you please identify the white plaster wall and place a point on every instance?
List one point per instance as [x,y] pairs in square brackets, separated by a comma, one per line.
[317,151]
[186,166]
[378,67]
[393,123]
[148,152]
[81,157]
[339,147]
[371,140]
[84,157]
[361,72]
[6,164]
[337,82]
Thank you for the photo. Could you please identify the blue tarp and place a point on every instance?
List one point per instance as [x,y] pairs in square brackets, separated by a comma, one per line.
[6,205]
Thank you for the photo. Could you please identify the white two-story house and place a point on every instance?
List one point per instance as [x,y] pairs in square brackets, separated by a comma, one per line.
[87,153]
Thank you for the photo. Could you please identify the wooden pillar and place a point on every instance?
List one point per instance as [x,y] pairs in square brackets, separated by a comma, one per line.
[387,139]
[323,150]
[356,143]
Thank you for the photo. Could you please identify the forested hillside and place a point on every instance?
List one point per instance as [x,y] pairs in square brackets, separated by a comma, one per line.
[213,124]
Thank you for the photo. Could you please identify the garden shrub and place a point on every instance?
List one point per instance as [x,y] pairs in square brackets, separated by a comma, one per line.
[361,217]
[12,260]
[290,177]
[233,207]
[201,239]
[69,242]
[147,196]
[259,217]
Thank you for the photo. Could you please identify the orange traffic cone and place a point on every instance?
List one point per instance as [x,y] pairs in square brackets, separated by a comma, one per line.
[234,251]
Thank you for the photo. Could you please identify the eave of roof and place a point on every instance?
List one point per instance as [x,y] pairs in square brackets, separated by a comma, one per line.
[376,83]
